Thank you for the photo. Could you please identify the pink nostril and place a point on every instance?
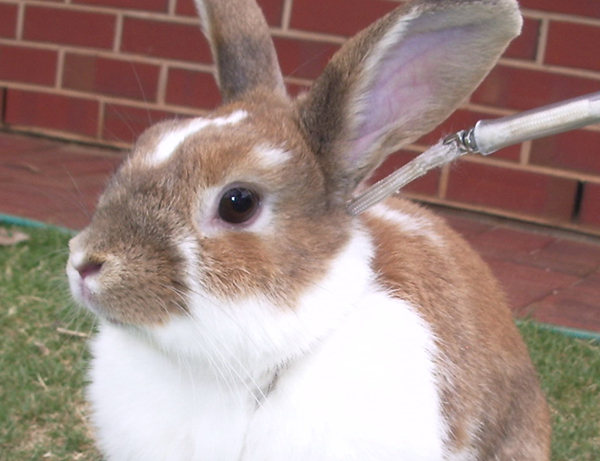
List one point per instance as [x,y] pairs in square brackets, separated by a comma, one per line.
[88,269]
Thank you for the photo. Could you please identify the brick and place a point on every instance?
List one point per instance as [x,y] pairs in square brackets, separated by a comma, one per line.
[28,65]
[125,123]
[18,200]
[510,244]
[525,46]
[573,306]
[513,190]
[165,40]
[110,77]
[426,185]
[192,88]
[272,10]
[340,17]
[8,20]
[525,284]
[465,226]
[522,89]
[573,45]
[69,27]
[50,157]
[568,257]
[538,250]
[38,193]
[16,147]
[60,180]
[186,8]
[147,5]
[590,8]
[590,206]
[574,150]
[50,111]
[52,169]
[2,102]
[463,119]
[303,58]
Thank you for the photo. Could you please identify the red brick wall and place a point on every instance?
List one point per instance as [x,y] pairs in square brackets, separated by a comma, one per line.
[103,70]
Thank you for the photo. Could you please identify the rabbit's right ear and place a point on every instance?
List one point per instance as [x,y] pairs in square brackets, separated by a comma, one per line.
[400,78]
[241,46]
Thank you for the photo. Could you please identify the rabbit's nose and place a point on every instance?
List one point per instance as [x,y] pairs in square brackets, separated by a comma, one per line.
[88,269]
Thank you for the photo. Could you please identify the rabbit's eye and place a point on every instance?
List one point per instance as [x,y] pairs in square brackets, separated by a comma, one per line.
[238,205]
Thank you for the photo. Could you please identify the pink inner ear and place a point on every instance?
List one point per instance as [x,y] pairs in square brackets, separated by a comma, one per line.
[412,88]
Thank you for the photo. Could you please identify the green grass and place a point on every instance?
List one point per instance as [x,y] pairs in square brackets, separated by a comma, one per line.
[570,373]
[42,409]
[42,368]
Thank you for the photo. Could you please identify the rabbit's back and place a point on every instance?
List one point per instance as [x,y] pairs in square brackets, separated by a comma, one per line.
[488,387]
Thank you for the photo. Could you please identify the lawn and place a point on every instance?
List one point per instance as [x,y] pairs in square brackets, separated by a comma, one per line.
[43,361]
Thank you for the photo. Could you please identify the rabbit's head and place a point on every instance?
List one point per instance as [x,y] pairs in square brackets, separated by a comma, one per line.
[249,201]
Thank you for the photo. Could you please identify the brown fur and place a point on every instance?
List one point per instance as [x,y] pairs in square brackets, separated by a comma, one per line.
[242,48]
[490,378]
[144,202]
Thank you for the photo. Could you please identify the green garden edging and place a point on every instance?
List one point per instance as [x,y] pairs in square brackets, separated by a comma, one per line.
[567,331]
[25,222]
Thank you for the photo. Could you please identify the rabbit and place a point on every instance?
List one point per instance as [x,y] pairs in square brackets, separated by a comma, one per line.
[245,315]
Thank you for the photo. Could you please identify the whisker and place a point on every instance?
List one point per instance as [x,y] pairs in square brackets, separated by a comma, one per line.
[220,373]
[78,195]
[225,357]
[142,92]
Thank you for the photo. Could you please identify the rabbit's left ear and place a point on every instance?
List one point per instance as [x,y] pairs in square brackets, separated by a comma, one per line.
[400,78]
[241,46]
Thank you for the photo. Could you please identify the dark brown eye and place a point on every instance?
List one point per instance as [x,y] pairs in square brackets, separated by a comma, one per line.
[238,205]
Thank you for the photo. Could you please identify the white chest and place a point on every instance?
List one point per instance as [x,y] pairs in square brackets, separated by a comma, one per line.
[147,408]
[368,392]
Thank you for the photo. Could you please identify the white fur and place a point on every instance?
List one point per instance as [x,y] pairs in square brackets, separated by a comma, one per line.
[271,157]
[205,22]
[77,258]
[367,393]
[82,288]
[409,224]
[170,141]
[463,455]
[346,375]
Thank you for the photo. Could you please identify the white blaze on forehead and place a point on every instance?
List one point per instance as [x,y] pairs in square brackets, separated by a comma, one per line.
[271,156]
[170,141]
